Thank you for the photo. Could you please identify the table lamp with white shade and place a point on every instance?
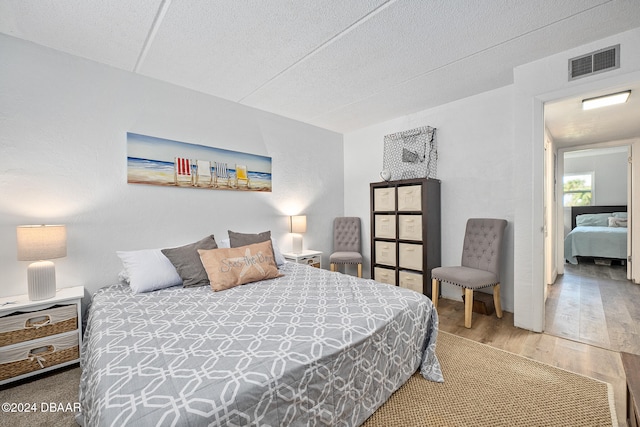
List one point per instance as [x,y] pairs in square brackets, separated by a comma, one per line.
[41,243]
[297,227]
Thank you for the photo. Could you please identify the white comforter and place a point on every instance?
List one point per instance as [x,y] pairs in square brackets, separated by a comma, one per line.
[594,241]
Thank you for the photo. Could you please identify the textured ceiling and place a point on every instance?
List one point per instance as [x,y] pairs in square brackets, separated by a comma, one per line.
[340,65]
[570,125]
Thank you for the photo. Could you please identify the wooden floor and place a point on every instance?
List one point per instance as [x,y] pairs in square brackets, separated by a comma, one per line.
[595,305]
[585,359]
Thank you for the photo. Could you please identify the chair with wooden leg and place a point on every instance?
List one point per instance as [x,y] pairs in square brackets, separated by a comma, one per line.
[346,243]
[481,255]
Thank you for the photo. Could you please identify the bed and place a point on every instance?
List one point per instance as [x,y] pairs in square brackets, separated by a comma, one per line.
[597,232]
[311,347]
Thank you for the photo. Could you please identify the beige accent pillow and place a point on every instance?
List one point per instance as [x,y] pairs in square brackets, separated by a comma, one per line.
[617,222]
[229,267]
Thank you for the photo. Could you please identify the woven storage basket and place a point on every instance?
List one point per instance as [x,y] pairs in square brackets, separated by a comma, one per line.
[21,327]
[30,357]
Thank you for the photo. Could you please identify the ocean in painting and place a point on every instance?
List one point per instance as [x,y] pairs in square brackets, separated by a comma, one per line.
[156,172]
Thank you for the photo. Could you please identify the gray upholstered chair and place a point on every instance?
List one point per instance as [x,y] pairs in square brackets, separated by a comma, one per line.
[481,254]
[346,243]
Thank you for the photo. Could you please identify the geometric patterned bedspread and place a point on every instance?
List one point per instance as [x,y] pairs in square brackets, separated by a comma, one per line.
[312,347]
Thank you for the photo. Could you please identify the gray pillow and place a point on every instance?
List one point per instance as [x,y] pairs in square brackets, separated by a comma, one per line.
[241,239]
[187,262]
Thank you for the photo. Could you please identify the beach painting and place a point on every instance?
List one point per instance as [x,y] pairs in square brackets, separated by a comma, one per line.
[158,161]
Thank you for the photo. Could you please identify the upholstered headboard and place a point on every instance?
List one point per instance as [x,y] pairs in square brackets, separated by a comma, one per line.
[579,210]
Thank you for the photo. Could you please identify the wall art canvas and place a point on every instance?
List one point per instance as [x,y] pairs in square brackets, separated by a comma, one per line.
[411,154]
[158,161]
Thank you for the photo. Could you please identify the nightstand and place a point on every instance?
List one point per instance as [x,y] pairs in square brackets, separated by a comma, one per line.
[309,257]
[39,336]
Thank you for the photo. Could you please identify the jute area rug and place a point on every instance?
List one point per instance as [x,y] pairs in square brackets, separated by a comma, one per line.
[484,386]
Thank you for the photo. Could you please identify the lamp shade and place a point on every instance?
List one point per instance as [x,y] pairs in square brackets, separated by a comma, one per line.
[298,224]
[41,242]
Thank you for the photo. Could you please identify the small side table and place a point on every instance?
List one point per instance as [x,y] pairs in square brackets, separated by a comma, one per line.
[309,257]
[631,364]
[40,316]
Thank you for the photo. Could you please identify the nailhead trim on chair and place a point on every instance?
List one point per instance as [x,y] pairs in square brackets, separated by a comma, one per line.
[463,286]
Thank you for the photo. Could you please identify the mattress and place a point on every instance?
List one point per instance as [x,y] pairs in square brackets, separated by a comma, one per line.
[312,347]
[595,241]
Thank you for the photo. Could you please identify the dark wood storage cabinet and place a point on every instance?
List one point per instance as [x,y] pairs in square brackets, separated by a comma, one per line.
[405,232]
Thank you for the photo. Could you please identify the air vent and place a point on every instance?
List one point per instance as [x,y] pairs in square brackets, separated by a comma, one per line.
[595,62]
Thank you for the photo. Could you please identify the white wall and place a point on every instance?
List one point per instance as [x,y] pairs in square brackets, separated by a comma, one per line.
[63,160]
[610,174]
[491,164]
[475,166]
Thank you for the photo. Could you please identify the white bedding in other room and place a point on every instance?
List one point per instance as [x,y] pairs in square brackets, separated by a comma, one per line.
[595,241]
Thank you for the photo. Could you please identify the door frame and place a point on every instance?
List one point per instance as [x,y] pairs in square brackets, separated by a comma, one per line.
[538,286]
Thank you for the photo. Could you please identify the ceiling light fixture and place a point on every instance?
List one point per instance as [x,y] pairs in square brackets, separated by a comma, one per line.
[605,100]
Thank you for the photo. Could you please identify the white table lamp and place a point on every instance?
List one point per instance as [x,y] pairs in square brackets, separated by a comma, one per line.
[41,243]
[298,225]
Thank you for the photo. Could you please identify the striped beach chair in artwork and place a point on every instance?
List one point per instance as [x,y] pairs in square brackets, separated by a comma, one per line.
[221,174]
[242,176]
[204,177]
[182,171]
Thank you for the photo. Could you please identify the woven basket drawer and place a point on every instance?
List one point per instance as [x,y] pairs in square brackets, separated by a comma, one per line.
[21,327]
[30,357]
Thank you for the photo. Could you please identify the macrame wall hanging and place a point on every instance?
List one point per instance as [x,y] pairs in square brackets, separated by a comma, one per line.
[410,154]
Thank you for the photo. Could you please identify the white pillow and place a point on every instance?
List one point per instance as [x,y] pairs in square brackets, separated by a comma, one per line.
[225,243]
[149,270]
[276,253]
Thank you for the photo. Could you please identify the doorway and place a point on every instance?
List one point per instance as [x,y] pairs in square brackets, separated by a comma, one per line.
[587,302]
